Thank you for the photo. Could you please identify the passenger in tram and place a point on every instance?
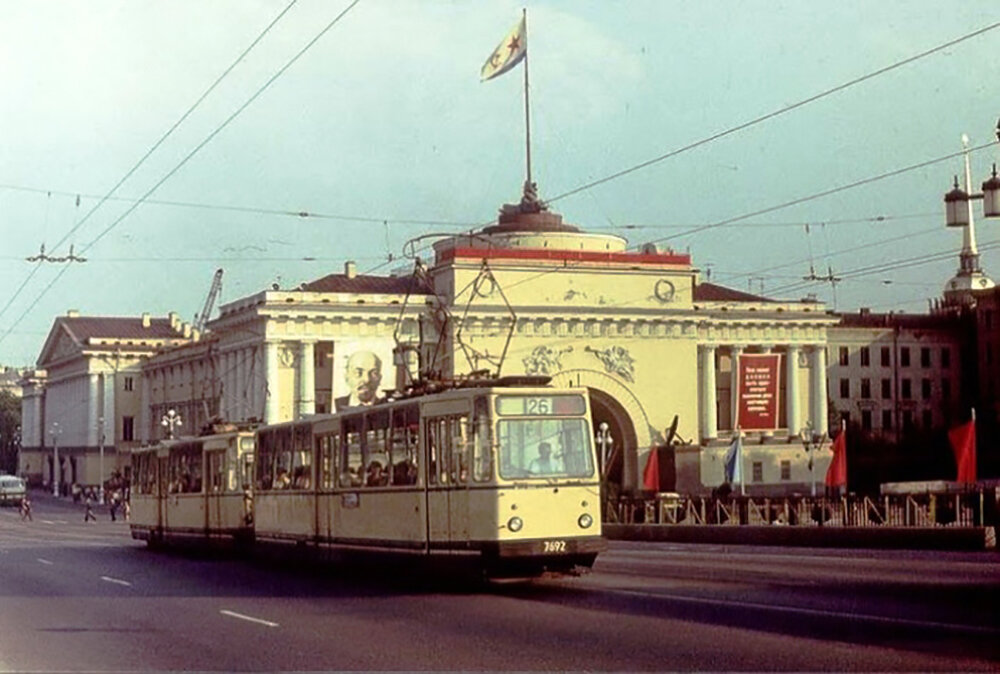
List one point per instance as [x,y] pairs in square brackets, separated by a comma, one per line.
[544,464]
[376,476]
[283,481]
[301,479]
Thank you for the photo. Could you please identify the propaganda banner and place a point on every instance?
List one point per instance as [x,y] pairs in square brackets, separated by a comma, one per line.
[757,392]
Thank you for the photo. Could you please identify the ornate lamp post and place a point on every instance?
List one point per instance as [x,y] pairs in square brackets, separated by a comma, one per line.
[811,441]
[604,441]
[55,432]
[958,202]
[170,420]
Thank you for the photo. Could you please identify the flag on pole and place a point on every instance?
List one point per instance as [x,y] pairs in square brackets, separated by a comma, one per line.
[511,51]
[963,443]
[734,461]
[651,475]
[836,473]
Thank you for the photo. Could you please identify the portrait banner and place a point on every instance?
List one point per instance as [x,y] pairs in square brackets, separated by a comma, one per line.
[362,371]
[758,391]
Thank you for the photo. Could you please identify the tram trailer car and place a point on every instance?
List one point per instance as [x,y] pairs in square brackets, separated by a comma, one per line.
[194,489]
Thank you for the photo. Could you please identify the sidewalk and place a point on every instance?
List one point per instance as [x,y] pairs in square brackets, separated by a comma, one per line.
[44,498]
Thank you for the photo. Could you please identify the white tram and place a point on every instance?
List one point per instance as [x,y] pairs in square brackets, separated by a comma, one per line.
[503,476]
[194,488]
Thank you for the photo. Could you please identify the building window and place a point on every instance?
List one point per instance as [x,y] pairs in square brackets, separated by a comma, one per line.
[945,390]
[845,388]
[866,389]
[907,420]
[866,420]
[928,419]
[886,420]
[925,357]
[786,470]
[886,389]
[945,357]
[844,356]
[925,389]
[904,356]
[907,392]
[128,429]
[866,356]
[758,471]
[886,359]
[127,384]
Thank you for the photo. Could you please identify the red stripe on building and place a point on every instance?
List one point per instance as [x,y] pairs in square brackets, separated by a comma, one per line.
[562,256]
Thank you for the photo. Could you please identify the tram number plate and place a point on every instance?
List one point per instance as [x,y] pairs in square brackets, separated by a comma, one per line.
[554,546]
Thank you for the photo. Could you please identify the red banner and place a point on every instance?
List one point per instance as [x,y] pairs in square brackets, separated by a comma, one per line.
[757,395]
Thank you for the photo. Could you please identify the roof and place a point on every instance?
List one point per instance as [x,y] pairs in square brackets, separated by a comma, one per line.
[710,292]
[103,327]
[891,320]
[388,285]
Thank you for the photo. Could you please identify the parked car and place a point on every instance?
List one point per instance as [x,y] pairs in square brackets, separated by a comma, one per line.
[12,490]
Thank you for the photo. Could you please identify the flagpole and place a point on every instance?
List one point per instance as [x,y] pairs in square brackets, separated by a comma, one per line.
[527,117]
[743,472]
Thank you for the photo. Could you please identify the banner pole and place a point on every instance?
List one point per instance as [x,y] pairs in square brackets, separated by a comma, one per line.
[527,116]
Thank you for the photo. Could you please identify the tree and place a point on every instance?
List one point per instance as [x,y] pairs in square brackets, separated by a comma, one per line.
[10,431]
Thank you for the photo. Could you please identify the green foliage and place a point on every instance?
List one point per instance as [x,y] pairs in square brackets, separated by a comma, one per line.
[10,431]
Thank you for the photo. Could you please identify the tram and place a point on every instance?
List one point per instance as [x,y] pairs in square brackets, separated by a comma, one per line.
[499,473]
[194,488]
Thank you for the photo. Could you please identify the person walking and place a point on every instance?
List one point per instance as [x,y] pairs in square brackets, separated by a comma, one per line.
[26,509]
[89,516]
[113,506]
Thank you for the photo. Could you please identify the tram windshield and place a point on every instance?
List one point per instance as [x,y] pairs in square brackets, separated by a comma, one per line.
[549,448]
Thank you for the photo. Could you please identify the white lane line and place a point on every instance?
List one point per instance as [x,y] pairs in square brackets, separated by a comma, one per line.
[44,561]
[47,522]
[811,612]
[115,580]
[233,614]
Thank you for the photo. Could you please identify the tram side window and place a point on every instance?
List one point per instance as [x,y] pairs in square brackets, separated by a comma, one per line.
[217,470]
[351,458]
[327,447]
[185,468]
[268,453]
[448,445]
[404,445]
[376,470]
[482,450]
[145,474]
[301,459]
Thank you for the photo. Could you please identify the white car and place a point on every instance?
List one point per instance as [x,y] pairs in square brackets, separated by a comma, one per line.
[12,490]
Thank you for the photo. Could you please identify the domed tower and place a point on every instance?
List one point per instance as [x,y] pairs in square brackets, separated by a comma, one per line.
[970,278]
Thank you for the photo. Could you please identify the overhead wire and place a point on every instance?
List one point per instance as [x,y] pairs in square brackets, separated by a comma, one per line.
[189,156]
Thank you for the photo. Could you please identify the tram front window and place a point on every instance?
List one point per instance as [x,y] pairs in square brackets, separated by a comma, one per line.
[544,448]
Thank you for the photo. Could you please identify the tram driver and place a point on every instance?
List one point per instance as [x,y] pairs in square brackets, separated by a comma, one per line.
[544,464]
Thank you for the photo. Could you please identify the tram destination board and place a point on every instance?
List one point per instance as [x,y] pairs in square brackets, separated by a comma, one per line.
[552,405]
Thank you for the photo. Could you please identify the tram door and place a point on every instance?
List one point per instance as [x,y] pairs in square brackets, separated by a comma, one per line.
[162,490]
[447,486]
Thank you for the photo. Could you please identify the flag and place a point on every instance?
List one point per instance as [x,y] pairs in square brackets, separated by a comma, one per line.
[734,461]
[836,474]
[651,475]
[511,51]
[963,443]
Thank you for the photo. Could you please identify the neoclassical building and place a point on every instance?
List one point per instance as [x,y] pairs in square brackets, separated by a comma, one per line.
[528,295]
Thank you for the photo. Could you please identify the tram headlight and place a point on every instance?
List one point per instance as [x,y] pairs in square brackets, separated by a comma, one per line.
[585,521]
[514,524]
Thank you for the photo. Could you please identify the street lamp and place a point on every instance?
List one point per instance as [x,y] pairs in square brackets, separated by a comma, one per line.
[604,440]
[55,433]
[811,441]
[169,421]
[957,202]
[100,445]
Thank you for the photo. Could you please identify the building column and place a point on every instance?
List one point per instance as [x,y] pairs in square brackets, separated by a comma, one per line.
[709,423]
[817,392]
[229,384]
[792,389]
[271,383]
[93,408]
[307,379]
[735,352]
[241,384]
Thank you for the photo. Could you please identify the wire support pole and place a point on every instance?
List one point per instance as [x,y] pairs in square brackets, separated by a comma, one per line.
[527,107]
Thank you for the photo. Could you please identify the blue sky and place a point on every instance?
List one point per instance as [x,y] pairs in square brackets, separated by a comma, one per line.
[384,118]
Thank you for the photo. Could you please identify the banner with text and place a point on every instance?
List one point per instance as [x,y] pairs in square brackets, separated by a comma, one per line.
[759,376]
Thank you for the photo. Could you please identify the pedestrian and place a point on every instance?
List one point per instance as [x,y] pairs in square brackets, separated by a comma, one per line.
[26,509]
[89,516]
[126,510]
[113,506]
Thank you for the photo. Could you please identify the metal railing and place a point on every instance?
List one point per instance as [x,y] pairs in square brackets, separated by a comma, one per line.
[973,508]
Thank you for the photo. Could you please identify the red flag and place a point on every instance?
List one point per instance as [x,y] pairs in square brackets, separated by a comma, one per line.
[651,475]
[836,474]
[963,443]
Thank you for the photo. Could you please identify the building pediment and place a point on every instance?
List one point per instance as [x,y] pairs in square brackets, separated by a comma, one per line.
[59,345]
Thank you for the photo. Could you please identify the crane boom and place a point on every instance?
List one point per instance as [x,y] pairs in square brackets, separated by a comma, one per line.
[213,294]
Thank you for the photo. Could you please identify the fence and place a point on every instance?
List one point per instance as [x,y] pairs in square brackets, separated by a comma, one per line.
[974,508]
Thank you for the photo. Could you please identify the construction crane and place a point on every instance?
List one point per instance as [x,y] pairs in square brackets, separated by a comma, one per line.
[213,293]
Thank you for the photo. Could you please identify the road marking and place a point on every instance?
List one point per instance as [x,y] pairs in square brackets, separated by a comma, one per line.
[233,614]
[47,522]
[115,580]
[45,561]
[811,612]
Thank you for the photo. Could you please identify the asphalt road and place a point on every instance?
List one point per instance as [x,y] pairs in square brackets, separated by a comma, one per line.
[85,597]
